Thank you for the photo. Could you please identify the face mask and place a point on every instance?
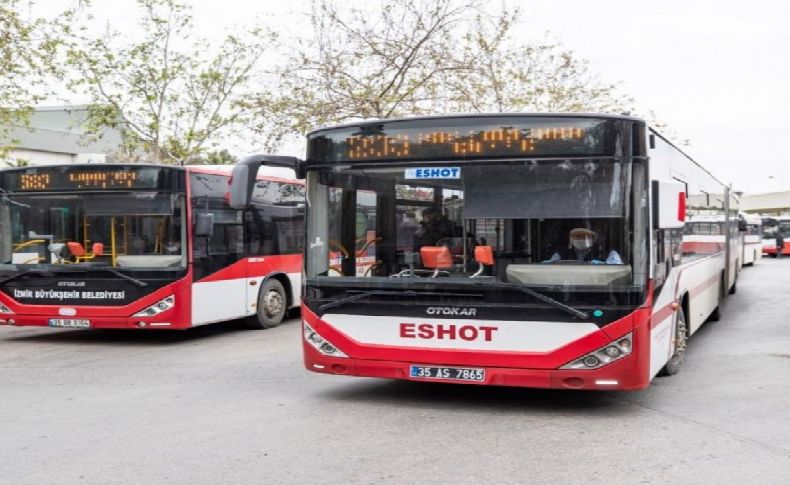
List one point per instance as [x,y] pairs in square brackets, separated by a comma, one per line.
[582,244]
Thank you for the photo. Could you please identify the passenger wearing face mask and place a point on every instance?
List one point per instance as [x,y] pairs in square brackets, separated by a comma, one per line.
[582,249]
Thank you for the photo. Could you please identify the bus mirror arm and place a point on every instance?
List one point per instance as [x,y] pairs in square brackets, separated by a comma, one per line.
[245,174]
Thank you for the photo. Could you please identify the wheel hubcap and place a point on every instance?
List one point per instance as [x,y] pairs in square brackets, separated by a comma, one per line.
[273,303]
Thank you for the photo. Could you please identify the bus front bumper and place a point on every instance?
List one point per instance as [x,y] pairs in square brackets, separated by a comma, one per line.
[623,374]
[75,323]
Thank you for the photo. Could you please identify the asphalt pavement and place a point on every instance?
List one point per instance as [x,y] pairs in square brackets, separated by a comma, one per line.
[221,404]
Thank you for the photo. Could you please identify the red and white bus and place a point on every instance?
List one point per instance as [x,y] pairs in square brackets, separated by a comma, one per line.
[752,239]
[521,250]
[772,225]
[147,246]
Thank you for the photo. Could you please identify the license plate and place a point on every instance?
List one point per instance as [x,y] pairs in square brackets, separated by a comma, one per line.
[447,373]
[69,323]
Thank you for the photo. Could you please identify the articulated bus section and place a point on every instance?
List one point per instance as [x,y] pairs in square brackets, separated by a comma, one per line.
[529,261]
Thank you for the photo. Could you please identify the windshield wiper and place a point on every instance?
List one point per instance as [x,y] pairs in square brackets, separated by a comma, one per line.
[21,274]
[8,200]
[410,293]
[102,268]
[117,273]
[361,295]
[540,296]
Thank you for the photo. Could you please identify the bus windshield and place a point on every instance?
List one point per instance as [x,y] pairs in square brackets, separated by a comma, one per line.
[123,230]
[772,226]
[547,223]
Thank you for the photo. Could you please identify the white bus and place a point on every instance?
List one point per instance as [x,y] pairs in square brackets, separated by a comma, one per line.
[752,239]
[549,250]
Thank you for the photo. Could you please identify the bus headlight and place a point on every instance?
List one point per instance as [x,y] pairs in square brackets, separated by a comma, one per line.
[603,356]
[158,307]
[5,309]
[320,343]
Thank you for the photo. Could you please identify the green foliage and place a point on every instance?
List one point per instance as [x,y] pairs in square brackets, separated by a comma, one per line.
[215,157]
[172,95]
[29,48]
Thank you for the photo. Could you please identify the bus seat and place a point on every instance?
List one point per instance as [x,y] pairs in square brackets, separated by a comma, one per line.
[436,258]
[76,249]
[484,255]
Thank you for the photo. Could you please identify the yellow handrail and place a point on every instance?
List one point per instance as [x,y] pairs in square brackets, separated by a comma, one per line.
[29,243]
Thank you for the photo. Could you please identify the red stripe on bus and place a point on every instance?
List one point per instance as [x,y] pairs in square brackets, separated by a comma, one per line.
[661,314]
[255,267]
[704,285]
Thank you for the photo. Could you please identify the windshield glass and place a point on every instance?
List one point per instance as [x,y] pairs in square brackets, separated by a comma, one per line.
[132,230]
[541,223]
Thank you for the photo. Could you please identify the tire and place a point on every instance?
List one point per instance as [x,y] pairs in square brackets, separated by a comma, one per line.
[675,362]
[272,306]
[734,288]
[715,315]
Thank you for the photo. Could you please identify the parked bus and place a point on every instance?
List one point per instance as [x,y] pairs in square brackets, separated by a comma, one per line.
[706,233]
[522,250]
[752,239]
[147,246]
[770,227]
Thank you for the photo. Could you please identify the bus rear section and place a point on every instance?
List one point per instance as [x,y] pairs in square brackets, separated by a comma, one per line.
[133,246]
[503,250]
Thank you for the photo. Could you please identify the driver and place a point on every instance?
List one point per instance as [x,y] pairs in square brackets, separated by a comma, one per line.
[582,248]
[433,227]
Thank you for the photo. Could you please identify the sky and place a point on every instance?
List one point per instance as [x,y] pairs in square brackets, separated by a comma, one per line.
[718,72]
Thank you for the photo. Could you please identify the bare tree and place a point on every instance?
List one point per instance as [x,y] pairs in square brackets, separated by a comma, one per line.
[412,57]
[172,95]
[498,73]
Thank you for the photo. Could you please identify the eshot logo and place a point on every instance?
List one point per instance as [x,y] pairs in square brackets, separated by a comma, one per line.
[433,173]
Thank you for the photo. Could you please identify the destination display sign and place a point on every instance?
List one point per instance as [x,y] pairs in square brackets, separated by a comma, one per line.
[66,178]
[459,138]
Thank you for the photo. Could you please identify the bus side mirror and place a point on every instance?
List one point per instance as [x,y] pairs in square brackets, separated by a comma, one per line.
[742,226]
[669,205]
[245,174]
[204,224]
[239,190]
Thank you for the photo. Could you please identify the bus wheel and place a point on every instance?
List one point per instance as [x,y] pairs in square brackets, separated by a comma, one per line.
[272,306]
[734,286]
[715,315]
[672,366]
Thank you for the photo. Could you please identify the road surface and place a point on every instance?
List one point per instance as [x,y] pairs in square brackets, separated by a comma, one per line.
[225,405]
